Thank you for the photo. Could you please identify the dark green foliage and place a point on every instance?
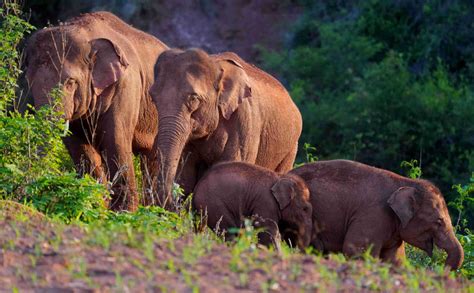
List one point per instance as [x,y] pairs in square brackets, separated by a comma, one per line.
[376,81]
[385,82]
[463,203]
[467,242]
[12,29]
[30,146]
[424,31]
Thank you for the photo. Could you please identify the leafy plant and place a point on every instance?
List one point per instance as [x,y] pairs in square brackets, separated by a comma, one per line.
[464,200]
[68,197]
[12,27]
[33,167]
[310,155]
[414,170]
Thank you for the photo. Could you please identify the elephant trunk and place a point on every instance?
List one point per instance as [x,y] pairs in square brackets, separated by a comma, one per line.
[449,243]
[306,234]
[172,137]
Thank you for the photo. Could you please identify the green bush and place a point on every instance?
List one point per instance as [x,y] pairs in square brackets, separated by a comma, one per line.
[463,203]
[12,30]
[33,164]
[373,85]
[30,147]
[67,197]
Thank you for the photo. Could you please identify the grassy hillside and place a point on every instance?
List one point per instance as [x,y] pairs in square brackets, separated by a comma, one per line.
[156,250]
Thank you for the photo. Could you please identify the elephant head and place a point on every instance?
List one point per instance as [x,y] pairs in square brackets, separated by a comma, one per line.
[84,68]
[292,196]
[192,92]
[424,221]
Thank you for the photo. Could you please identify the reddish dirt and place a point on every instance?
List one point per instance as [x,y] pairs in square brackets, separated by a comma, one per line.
[44,257]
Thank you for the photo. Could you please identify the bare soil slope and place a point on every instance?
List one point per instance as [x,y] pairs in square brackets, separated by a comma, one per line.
[40,255]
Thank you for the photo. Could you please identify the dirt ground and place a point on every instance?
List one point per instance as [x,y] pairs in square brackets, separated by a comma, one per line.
[37,255]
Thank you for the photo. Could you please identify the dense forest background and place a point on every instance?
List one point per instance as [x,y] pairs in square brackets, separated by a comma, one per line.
[381,82]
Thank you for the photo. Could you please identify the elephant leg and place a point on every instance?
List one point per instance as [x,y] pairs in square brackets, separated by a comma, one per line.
[117,148]
[150,166]
[86,158]
[269,234]
[220,223]
[356,242]
[188,173]
[395,255]
[287,163]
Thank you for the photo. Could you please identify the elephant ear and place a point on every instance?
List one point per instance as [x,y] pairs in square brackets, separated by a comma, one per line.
[233,86]
[284,191]
[109,64]
[403,203]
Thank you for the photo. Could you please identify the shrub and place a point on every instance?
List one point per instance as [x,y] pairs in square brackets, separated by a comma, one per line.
[12,30]
[32,156]
[67,197]
[355,71]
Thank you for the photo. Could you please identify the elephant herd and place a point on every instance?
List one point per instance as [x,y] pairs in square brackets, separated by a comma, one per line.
[227,132]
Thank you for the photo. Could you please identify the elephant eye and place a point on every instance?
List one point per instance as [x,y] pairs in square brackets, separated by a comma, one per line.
[193,97]
[439,223]
[70,83]
[192,102]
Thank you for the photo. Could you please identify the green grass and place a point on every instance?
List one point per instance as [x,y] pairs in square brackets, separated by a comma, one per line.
[152,242]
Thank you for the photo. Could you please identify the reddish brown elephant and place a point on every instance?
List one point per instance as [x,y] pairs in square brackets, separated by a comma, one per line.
[104,68]
[215,108]
[356,206]
[230,192]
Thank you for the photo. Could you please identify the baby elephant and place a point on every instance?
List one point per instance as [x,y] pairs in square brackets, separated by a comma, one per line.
[356,206]
[231,192]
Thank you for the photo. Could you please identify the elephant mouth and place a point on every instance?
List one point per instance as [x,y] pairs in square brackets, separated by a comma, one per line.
[289,233]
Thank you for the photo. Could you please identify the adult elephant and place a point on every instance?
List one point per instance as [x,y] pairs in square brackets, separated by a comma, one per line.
[215,108]
[104,69]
